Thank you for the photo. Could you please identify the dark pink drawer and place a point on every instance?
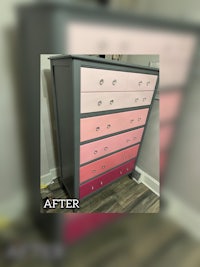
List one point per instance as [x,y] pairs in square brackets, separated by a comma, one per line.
[98,126]
[100,101]
[102,165]
[106,178]
[108,145]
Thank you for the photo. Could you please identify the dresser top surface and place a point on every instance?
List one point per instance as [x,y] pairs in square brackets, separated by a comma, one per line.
[101,60]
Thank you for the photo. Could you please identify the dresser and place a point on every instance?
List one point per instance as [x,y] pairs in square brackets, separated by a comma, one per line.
[101,111]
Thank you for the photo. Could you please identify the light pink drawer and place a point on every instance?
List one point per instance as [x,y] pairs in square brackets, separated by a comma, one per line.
[141,82]
[103,80]
[102,165]
[108,145]
[94,102]
[102,125]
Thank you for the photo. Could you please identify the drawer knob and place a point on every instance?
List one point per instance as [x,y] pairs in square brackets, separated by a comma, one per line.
[136,99]
[111,102]
[140,83]
[148,83]
[108,126]
[106,148]
[101,81]
[99,103]
[127,169]
[97,129]
[128,140]
[95,152]
[101,183]
[131,121]
[93,171]
[120,172]
[92,187]
[103,166]
[139,119]
[144,98]
[114,82]
[134,138]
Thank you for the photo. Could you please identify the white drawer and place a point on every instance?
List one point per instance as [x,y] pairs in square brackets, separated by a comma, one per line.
[94,102]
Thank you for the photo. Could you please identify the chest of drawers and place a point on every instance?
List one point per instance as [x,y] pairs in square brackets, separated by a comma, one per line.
[101,111]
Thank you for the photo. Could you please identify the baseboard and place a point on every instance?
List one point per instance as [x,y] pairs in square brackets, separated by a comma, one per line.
[48,177]
[182,213]
[149,181]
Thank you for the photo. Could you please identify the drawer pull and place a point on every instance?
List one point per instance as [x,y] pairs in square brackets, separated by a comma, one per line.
[99,103]
[101,81]
[103,166]
[131,121]
[148,83]
[136,99]
[127,169]
[120,172]
[106,148]
[95,152]
[108,126]
[111,102]
[139,119]
[140,83]
[92,187]
[97,129]
[128,140]
[134,138]
[101,183]
[93,171]
[114,82]
[144,98]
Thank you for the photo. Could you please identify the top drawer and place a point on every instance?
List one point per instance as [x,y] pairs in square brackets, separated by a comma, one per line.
[99,80]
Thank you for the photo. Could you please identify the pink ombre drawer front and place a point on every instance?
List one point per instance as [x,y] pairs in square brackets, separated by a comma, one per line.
[102,165]
[94,102]
[141,82]
[98,126]
[106,178]
[102,80]
[108,145]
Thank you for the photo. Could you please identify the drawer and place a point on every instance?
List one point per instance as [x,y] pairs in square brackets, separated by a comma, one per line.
[108,145]
[93,80]
[141,82]
[100,101]
[99,182]
[102,125]
[89,187]
[102,165]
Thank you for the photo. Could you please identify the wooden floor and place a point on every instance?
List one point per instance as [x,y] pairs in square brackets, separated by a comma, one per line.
[142,240]
[122,196]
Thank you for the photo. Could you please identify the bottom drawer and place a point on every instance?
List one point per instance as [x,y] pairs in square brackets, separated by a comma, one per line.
[101,181]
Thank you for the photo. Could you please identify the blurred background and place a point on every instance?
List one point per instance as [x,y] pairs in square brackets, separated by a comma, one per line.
[169,29]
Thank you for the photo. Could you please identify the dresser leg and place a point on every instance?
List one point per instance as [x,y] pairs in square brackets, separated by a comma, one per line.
[135,176]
